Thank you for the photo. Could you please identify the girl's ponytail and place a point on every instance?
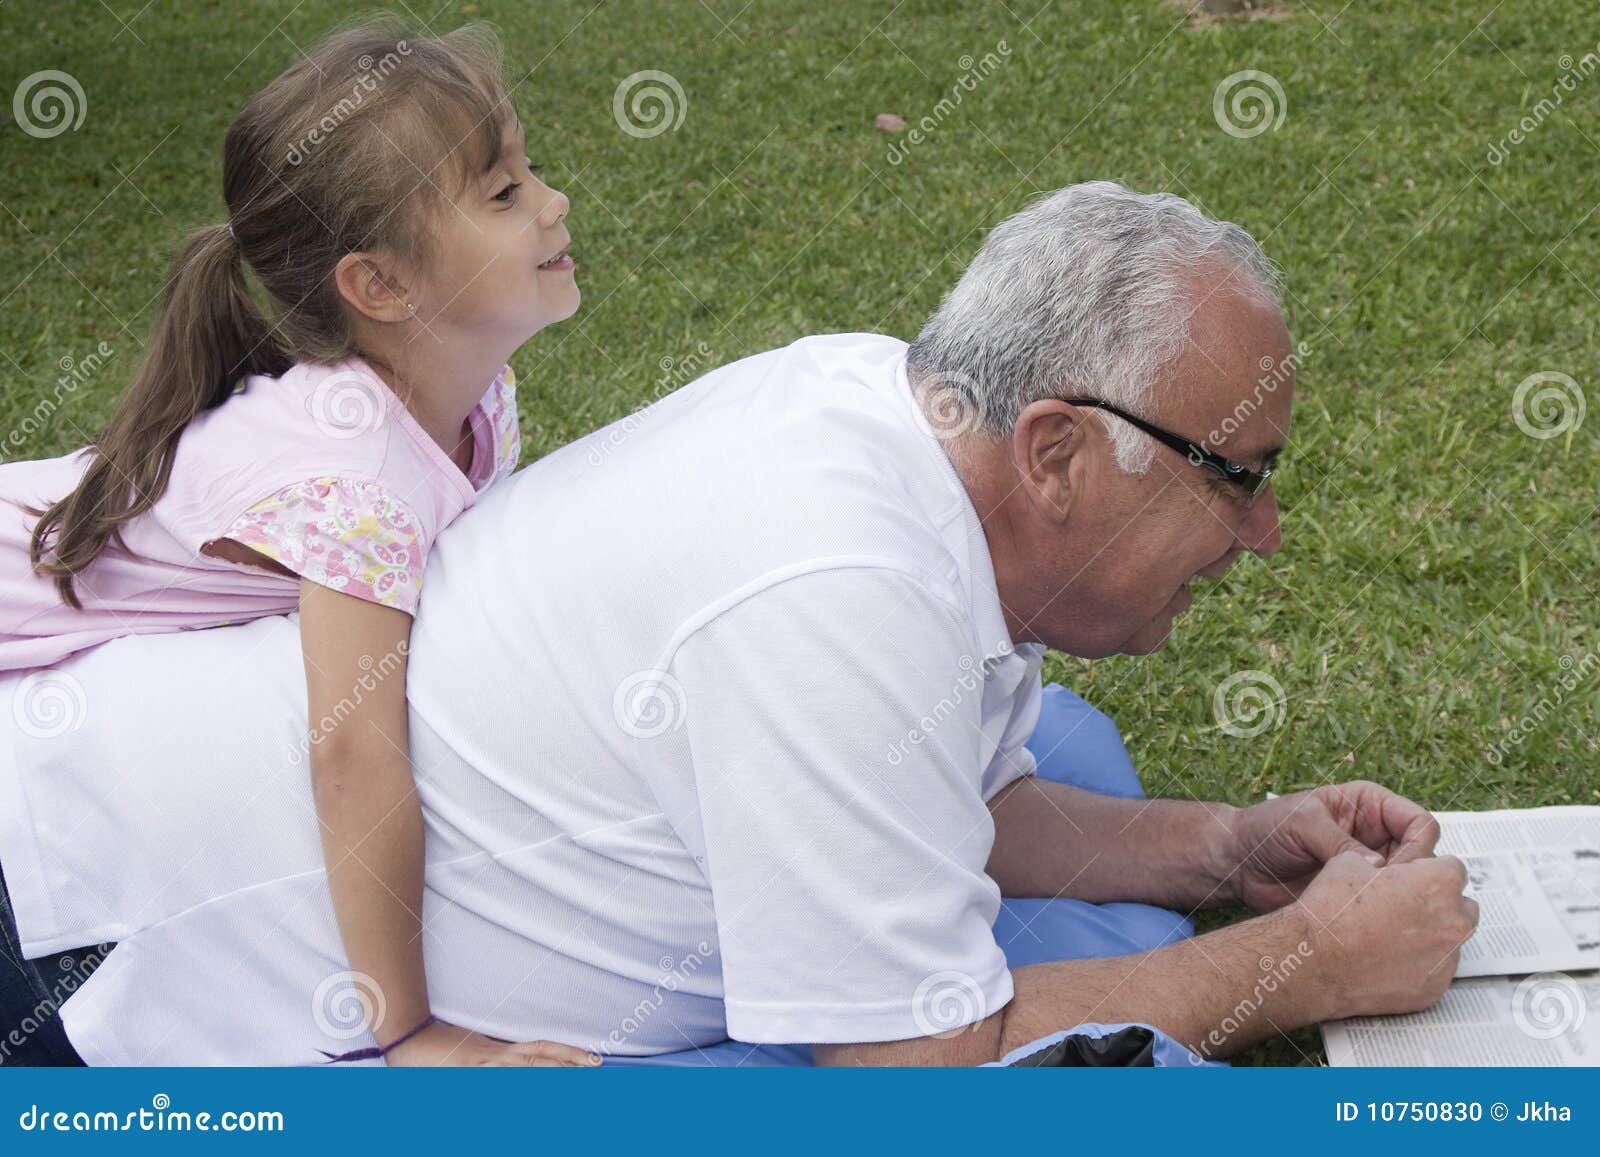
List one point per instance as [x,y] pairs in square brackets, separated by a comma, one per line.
[209,334]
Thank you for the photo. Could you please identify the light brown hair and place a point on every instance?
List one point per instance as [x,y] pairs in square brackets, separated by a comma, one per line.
[361,145]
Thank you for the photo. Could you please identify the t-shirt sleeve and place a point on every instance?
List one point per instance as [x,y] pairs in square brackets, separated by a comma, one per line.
[833,721]
[348,535]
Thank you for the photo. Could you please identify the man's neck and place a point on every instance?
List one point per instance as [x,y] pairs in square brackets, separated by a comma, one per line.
[989,488]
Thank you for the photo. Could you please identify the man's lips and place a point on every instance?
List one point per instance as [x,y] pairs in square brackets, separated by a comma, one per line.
[1216,570]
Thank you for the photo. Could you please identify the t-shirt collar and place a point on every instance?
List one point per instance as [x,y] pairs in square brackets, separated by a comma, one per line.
[987,613]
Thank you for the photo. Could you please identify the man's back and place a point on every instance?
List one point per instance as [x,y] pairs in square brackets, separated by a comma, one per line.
[564,598]
[705,709]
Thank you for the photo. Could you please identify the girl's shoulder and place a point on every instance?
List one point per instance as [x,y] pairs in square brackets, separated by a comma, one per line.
[317,421]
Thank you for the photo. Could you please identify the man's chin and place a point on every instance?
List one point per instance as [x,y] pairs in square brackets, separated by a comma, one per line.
[1154,634]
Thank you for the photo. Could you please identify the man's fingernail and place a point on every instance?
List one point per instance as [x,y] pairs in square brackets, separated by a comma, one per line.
[1374,858]
[594,1058]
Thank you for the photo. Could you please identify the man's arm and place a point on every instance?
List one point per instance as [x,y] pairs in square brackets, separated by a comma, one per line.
[1362,940]
[1054,840]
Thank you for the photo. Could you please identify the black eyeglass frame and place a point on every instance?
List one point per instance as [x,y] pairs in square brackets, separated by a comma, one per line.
[1252,482]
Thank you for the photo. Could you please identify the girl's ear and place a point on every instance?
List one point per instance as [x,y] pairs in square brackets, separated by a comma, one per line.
[363,284]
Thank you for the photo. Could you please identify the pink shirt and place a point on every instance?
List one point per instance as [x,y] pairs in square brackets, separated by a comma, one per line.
[323,470]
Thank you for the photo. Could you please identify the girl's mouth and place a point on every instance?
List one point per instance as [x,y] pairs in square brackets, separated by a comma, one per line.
[559,261]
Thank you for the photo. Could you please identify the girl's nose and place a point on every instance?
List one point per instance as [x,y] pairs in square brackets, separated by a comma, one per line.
[554,209]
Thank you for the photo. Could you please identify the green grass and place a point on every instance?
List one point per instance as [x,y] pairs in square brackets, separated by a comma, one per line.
[1438,563]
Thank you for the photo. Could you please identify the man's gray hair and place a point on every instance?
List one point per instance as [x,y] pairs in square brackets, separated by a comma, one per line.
[1087,291]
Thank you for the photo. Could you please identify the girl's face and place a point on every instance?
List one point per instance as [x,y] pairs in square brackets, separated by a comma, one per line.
[502,272]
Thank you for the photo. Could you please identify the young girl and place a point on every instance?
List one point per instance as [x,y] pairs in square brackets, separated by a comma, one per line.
[304,455]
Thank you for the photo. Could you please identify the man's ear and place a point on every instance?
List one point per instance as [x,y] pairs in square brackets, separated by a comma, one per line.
[366,288]
[1049,450]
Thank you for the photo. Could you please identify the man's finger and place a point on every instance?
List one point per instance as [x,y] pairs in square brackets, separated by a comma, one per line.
[1392,823]
[1418,837]
[1324,837]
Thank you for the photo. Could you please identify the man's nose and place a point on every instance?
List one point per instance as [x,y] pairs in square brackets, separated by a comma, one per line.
[1261,532]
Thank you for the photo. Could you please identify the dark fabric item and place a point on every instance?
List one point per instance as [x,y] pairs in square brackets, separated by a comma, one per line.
[1131,1047]
[32,993]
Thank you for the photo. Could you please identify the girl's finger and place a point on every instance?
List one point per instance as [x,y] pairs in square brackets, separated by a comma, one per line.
[553,1053]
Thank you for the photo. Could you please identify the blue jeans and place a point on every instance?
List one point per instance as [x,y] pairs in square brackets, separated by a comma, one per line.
[32,993]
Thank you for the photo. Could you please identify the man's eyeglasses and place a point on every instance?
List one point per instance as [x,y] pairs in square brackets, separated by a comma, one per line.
[1252,482]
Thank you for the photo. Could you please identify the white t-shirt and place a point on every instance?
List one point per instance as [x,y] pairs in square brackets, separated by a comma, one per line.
[705,710]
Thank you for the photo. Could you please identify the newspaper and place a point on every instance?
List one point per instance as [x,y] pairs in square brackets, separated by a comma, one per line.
[1526,991]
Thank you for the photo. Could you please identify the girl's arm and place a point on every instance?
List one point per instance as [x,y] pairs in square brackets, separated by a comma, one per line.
[371,823]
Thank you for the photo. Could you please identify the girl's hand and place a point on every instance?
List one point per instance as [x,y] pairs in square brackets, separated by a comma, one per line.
[447,1044]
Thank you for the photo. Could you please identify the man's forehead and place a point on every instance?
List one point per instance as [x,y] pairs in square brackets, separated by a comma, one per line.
[1235,382]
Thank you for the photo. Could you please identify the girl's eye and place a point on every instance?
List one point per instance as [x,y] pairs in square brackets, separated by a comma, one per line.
[507,195]
[532,168]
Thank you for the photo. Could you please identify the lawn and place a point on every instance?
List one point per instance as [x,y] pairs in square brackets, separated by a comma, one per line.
[1435,223]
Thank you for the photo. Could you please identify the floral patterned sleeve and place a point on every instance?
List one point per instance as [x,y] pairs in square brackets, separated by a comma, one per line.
[350,536]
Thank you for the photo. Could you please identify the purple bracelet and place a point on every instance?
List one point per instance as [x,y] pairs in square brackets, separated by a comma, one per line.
[369,1053]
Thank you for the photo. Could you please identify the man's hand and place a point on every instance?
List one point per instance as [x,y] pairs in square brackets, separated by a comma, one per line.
[1383,940]
[1280,845]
